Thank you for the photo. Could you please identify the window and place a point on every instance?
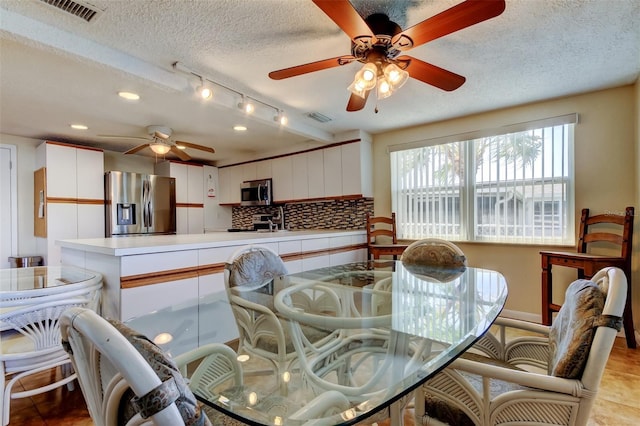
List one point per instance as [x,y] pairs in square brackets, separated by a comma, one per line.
[512,184]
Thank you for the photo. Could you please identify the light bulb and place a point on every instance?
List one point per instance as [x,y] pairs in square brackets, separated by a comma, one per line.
[395,76]
[384,88]
[280,118]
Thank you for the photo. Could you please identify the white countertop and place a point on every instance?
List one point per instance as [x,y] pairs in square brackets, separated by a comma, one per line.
[124,246]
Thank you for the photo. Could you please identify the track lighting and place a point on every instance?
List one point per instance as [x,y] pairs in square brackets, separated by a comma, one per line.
[246,105]
[280,118]
[204,90]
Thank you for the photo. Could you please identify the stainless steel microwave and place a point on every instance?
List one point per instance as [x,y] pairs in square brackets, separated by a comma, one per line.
[256,193]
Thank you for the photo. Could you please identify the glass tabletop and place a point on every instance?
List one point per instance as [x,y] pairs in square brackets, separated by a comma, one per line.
[387,328]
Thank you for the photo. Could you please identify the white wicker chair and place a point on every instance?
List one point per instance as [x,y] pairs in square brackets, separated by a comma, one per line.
[108,364]
[535,378]
[31,341]
[253,274]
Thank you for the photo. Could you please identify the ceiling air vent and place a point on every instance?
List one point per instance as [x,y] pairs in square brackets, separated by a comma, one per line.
[82,10]
[318,117]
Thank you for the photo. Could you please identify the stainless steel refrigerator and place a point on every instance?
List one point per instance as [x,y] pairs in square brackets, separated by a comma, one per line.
[139,204]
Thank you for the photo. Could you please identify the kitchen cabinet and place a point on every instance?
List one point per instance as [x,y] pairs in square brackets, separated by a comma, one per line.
[74,188]
[140,276]
[315,168]
[357,172]
[189,194]
[342,170]
[282,178]
[300,176]
[332,168]
[230,180]
[264,169]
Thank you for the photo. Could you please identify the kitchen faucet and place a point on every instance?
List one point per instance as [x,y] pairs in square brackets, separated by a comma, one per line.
[278,220]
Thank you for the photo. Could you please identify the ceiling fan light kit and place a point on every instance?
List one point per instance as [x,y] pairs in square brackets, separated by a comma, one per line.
[377,42]
[159,148]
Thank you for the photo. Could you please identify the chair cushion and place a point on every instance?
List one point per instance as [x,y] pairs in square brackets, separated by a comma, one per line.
[572,331]
[433,255]
[255,268]
[160,397]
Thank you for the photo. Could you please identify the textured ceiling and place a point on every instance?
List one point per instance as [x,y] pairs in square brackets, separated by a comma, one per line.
[56,69]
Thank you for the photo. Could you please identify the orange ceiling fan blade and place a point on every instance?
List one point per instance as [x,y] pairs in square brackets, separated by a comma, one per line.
[458,17]
[356,103]
[180,153]
[196,146]
[347,18]
[311,67]
[431,74]
[137,148]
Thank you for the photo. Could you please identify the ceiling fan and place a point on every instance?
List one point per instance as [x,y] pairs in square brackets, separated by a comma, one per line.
[378,42]
[160,142]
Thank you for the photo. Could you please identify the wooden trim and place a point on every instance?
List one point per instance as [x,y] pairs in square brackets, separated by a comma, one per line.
[90,201]
[159,277]
[62,200]
[193,205]
[40,187]
[65,200]
[311,200]
[69,145]
[293,153]
[189,163]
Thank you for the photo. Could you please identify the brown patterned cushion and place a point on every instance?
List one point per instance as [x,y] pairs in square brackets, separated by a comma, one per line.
[255,268]
[572,331]
[173,388]
[433,255]
[434,260]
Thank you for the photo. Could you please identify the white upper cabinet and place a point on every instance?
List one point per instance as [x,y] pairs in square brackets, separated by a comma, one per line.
[282,176]
[264,169]
[357,176]
[336,171]
[332,158]
[62,176]
[300,176]
[315,167]
[195,189]
[230,180]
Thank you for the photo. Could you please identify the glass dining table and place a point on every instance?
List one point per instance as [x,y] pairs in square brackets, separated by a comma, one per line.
[393,327]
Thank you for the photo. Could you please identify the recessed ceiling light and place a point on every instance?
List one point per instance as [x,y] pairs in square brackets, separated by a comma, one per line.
[130,96]
[239,128]
[79,126]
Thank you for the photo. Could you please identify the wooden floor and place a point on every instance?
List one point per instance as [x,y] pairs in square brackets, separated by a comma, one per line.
[618,401]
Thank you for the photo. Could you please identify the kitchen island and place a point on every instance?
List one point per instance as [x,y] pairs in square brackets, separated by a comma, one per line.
[142,274]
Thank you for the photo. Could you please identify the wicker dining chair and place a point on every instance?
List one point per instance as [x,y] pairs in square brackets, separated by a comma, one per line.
[547,375]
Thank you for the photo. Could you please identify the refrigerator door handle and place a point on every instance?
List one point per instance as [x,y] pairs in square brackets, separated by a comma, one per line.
[145,198]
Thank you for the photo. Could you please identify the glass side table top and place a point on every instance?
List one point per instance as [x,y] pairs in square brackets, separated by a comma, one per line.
[40,278]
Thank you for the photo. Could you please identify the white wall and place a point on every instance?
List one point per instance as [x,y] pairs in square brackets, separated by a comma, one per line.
[607,176]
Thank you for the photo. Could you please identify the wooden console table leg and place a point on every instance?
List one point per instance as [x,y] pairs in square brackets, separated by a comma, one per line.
[546,291]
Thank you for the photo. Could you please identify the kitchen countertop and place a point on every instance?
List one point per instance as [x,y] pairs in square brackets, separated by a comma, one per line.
[143,244]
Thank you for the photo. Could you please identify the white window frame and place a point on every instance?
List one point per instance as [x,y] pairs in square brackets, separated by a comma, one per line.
[468,189]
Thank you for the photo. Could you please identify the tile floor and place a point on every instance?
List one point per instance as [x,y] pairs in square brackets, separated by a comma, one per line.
[618,402]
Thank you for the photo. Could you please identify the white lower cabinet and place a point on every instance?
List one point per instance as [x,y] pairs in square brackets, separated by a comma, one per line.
[142,300]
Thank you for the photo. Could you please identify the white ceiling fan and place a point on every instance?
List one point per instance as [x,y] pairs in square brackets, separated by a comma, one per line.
[160,142]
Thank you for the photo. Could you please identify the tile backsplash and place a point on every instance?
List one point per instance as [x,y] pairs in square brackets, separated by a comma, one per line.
[336,214]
